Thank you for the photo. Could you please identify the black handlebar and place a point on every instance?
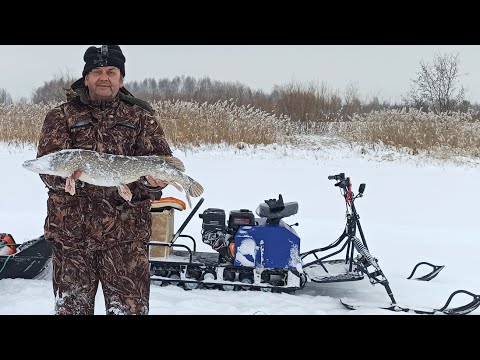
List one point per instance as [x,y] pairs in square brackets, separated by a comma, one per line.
[339,177]
[345,184]
[342,181]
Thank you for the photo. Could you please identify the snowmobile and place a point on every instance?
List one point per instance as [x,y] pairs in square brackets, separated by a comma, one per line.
[27,260]
[251,253]
[263,253]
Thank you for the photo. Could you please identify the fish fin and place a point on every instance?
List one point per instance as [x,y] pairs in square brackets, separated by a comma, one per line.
[180,188]
[195,188]
[173,161]
[70,185]
[125,192]
[176,185]
[189,201]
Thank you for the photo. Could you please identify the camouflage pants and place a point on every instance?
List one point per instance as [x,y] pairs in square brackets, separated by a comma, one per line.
[123,271]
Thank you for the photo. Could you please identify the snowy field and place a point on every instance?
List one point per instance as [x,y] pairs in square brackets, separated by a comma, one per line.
[413,210]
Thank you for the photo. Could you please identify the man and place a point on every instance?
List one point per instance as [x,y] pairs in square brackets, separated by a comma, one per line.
[97,236]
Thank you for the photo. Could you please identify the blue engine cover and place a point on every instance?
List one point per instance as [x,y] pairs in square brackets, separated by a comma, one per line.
[272,246]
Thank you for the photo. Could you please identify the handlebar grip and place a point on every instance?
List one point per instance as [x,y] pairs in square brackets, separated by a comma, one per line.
[339,177]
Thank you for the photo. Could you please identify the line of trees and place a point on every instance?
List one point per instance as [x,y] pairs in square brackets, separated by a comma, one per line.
[5,97]
[436,87]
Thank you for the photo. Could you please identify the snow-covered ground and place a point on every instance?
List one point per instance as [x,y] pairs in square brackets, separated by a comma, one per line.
[413,210]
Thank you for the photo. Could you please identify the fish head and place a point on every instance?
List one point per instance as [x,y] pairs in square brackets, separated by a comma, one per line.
[31,165]
[41,165]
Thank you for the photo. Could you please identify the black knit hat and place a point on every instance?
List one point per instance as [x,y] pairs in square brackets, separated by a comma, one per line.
[106,55]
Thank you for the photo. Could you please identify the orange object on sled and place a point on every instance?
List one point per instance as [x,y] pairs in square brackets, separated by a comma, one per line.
[169,202]
[7,245]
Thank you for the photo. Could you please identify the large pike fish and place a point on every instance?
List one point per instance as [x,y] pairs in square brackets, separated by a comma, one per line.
[114,170]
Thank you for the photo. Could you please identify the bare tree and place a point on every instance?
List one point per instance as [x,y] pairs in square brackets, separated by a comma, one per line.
[352,101]
[5,97]
[437,86]
[53,90]
[22,101]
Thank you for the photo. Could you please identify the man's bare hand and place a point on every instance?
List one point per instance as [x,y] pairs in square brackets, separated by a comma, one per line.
[70,183]
[76,174]
[156,182]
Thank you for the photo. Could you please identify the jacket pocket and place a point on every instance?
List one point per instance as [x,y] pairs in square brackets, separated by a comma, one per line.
[65,219]
[82,133]
[125,124]
[122,137]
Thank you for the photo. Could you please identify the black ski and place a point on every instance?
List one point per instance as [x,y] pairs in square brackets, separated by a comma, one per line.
[459,310]
[427,277]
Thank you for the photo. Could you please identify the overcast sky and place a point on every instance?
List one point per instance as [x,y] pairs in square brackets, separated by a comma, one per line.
[377,70]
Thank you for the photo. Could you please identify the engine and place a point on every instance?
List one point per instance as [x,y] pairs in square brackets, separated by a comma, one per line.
[221,236]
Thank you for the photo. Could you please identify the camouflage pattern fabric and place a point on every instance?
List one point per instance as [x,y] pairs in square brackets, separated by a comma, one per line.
[97,218]
[123,270]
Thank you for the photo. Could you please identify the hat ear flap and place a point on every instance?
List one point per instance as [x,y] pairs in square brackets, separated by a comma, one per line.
[114,47]
[90,53]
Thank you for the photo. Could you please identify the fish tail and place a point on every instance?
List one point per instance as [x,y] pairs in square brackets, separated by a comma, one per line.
[195,189]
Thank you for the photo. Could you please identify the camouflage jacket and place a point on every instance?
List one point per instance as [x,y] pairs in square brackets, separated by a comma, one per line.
[97,217]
